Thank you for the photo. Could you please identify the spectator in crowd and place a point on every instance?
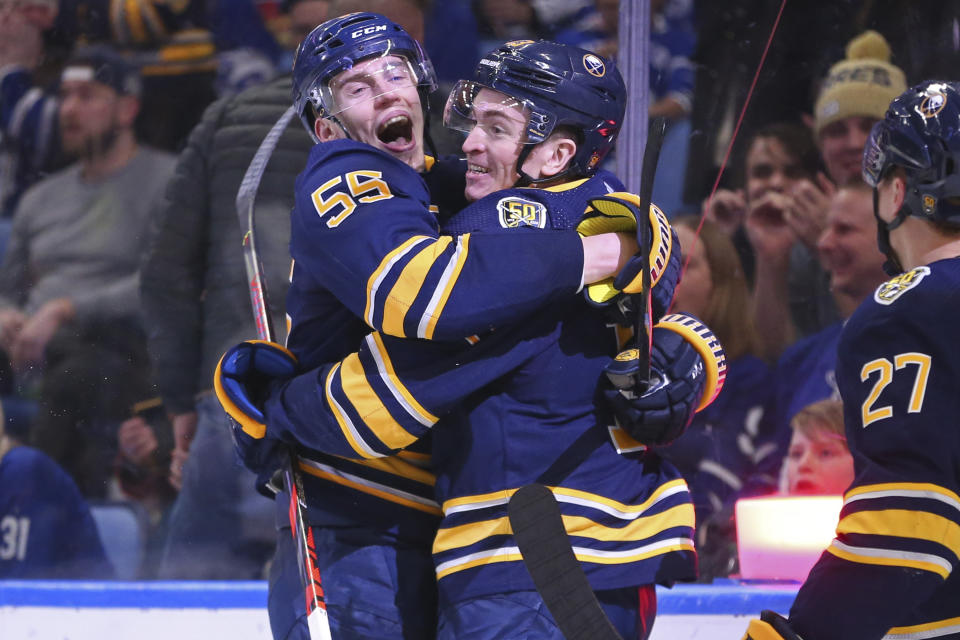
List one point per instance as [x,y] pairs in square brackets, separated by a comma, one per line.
[68,282]
[721,451]
[818,460]
[848,251]
[778,157]
[173,45]
[29,144]
[46,526]
[141,471]
[196,304]
[853,96]
[672,41]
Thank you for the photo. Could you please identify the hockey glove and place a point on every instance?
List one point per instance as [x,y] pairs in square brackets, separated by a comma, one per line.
[242,383]
[770,626]
[619,212]
[687,368]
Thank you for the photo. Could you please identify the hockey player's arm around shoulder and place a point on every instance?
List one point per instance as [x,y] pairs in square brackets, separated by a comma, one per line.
[368,235]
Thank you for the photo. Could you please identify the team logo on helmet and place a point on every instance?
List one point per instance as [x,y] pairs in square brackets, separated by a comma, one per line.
[890,290]
[594,65]
[513,44]
[933,103]
[517,212]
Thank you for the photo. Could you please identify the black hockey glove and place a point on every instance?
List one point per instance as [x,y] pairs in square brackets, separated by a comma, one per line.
[770,626]
[242,382]
[619,212]
[687,369]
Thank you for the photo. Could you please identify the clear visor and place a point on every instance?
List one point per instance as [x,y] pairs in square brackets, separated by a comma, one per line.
[499,116]
[369,80]
[874,158]
[888,145]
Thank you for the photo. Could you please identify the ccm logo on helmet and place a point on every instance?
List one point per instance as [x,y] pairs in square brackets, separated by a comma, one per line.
[368,30]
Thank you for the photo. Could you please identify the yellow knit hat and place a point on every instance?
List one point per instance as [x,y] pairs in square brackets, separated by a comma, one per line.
[863,84]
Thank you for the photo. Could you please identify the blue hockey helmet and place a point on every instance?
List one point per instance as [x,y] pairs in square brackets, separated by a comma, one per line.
[920,134]
[561,86]
[340,43]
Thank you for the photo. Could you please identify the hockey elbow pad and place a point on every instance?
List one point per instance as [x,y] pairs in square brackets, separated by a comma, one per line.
[687,368]
[619,212]
[770,626]
[242,381]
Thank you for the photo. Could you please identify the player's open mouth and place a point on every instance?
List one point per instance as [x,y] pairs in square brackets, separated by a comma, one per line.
[396,132]
[475,168]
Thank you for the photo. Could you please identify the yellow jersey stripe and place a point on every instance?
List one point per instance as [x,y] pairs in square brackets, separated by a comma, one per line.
[431,315]
[927,630]
[381,272]
[347,427]
[512,554]
[409,285]
[467,534]
[389,376]
[370,407]
[363,485]
[903,490]
[573,496]
[901,523]
[402,468]
[891,558]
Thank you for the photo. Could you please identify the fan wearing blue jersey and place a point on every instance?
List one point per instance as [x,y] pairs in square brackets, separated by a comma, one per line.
[891,572]
[46,530]
[520,404]
[368,254]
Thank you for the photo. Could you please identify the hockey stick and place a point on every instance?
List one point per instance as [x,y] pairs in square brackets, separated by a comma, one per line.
[542,539]
[643,324]
[318,625]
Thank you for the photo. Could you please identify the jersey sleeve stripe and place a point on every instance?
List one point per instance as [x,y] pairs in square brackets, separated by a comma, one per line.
[396,466]
[389,376]
[937,629]
[901,523]
[381,273]
[347,427]
[408,286]
[428,321]
[891,558]
[367,486]
[370,407]
[903,490]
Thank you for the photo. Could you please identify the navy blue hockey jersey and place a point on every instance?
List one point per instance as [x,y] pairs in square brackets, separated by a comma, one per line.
[892,568]
[518,406]
[368,255]
[46,530]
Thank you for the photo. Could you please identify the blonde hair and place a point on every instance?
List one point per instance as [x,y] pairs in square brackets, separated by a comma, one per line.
[822,416]
[728,308]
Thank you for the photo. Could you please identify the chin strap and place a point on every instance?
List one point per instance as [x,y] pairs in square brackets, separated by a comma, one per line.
[892,265]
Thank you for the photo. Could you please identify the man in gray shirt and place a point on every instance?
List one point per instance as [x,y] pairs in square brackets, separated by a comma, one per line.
[68,280]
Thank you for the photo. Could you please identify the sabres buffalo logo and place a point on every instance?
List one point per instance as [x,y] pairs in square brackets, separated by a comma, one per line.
[594,65]
[893,289]
[517,212]
[933,103]
[513,44]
